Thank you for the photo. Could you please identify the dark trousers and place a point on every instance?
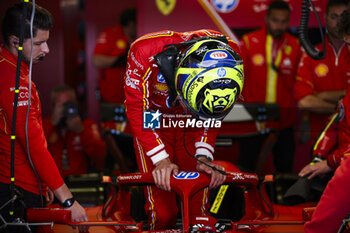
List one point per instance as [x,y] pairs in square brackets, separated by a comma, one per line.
[26,200]
[281,144]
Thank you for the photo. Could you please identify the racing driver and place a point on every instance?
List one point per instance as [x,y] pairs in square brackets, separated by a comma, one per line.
[195,75]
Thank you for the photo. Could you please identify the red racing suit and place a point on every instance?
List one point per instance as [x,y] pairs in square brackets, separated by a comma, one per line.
[41,157]
[146,90]
[270,68]
[334,205]
[75,152]
[112,42]
[333,141]
[329,74]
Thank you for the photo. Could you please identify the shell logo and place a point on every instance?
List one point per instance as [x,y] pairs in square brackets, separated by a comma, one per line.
[218,55]
[321,70]
[258,59]
[161,87]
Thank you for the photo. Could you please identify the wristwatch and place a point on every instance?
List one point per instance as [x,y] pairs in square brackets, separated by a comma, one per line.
[68,203]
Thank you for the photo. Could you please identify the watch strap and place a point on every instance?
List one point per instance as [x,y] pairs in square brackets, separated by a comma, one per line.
[68,203]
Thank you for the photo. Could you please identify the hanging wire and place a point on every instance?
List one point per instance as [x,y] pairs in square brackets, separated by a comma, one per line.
[29,101]
[15,105]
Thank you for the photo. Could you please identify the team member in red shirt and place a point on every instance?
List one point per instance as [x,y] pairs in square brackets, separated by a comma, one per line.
[321,83]
[25,179]
[206,79]
[271,57]
[75,144]
[334,205]
[331,146]
[332,151]
[110,56]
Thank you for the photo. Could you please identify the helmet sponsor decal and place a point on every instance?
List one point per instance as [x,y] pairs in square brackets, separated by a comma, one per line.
[209,79]
[221,72]
[217,100]
[218,55]
[163,88]
[160,78]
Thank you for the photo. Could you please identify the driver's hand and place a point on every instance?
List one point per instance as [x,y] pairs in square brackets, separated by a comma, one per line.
[162,172]
[312,170]
[217,178]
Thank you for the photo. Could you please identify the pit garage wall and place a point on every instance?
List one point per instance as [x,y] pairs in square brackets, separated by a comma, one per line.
[189,15]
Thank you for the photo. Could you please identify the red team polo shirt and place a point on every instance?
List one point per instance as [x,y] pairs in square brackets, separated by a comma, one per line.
[112,42]
[42,159]
[270,67]
[314,76]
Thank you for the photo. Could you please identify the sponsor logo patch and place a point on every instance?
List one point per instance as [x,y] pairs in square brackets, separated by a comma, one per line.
[187,175]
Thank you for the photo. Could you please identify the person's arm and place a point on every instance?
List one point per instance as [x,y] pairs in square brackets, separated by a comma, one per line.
[104,61]
[331,96]
[138,92]
[204,144]
[328,139]
[315,104]
[314,169]
[110,50]
[305,92]
[326,151]
[42,159]
[78,213]
[137,89]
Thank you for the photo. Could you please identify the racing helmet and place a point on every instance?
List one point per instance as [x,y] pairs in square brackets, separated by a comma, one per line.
[209,78]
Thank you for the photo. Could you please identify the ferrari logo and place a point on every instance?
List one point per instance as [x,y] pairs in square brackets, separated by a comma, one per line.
[166,6]
[288,49]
